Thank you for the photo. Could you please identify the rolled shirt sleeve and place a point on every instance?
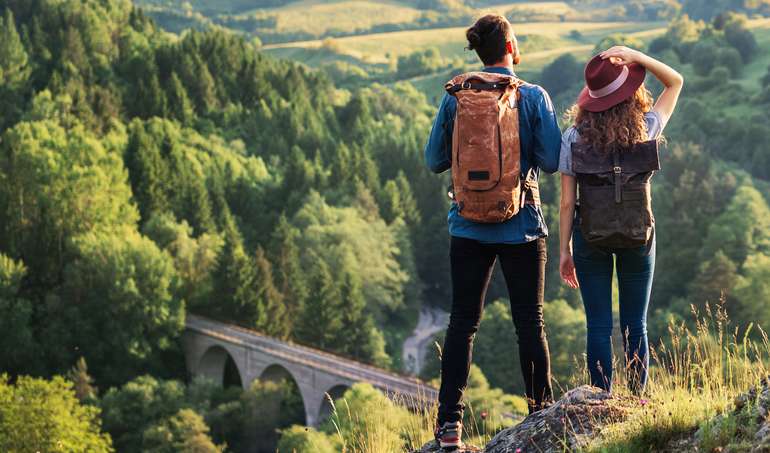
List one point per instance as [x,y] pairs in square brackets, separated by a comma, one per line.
[654,125]
[546,133]
[438,150]
[565,158]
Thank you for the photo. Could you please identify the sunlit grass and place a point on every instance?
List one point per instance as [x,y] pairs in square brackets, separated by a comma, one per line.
[321,17]
[696,373]
[451,41]
[694,376]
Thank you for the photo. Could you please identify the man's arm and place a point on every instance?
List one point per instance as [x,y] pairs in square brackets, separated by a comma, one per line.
[438,150]
[546,133]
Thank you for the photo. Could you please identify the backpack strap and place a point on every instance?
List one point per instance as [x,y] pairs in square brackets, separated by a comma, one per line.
[617,170]
[481,81]
[468,85]
[530,189]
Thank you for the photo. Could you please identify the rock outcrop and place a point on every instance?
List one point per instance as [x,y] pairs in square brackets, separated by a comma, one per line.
[567,425]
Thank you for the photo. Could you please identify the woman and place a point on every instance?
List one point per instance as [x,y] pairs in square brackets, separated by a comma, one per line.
[614,114]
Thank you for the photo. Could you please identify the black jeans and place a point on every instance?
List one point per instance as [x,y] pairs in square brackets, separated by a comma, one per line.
[523,266]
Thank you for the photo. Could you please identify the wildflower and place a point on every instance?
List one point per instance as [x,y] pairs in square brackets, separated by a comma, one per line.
[643,402]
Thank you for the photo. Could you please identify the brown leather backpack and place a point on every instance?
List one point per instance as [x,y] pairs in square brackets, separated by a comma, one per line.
[486,149]
[615,194]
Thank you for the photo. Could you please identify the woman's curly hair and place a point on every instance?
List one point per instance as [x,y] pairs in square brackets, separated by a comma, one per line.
[622,125]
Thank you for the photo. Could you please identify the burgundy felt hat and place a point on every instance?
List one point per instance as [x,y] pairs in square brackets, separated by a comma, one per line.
[607,84]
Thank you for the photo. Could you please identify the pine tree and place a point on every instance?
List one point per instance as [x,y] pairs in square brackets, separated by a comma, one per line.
[14,70]
[409,207]
[13,56]
[359,337]
[147,171]
[271,313]
[83,382]
[73,55]
[320,323]
[179,105]
[203,88]
[233,279]
[290,277]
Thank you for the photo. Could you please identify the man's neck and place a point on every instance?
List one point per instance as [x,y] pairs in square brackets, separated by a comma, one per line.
[504,63]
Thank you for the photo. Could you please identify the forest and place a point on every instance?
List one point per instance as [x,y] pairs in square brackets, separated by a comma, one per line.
[149,170]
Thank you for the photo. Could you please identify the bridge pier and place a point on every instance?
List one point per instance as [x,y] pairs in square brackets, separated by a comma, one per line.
[313,400]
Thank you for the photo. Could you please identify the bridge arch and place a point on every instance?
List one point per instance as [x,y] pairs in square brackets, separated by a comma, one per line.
[220,366]
[277,373]
[334,393]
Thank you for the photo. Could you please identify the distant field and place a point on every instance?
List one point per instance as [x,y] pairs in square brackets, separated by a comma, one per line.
[531,65]
[538,7]
[376,48]
[323,17]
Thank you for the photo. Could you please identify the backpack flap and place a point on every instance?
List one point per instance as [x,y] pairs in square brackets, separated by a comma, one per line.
[615,195]
[640,158]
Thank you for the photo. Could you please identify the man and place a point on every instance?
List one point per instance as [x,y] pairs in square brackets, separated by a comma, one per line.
[515,233]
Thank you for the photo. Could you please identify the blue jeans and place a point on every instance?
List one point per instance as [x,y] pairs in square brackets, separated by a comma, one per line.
[635,267]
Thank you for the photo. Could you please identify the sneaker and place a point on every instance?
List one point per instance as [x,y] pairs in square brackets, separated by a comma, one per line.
[449,436]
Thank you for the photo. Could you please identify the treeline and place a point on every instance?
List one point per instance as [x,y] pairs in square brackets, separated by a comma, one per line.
[143,175]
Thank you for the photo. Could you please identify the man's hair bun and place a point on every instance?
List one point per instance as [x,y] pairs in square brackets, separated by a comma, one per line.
[474,39]
[488,37]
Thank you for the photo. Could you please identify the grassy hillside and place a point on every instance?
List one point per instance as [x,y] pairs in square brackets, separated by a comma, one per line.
[532,62]
[319,17]
[282,21]
[378,47]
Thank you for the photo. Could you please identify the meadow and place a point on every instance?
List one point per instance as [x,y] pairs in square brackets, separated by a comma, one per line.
[379,47]
[319,17]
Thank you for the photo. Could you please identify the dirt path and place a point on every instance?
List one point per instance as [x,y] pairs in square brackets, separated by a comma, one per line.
[431,321]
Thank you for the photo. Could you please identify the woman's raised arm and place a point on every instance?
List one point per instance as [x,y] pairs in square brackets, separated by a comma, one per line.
[668,76]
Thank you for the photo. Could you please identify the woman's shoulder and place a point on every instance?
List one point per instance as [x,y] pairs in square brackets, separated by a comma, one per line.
[570,135]
[654,125]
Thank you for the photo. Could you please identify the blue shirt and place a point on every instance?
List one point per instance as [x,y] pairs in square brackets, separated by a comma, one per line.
[540,144]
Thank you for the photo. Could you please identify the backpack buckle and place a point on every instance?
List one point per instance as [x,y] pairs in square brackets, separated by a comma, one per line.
[617,170]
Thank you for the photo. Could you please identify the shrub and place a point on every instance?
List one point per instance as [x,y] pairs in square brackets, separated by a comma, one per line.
[40,415]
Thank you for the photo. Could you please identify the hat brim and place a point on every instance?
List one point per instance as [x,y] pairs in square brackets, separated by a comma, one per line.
[636,75]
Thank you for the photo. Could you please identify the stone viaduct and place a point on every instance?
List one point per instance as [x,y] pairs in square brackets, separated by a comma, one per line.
[209,345]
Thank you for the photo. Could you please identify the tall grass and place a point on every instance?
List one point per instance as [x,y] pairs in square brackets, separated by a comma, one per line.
[695,374]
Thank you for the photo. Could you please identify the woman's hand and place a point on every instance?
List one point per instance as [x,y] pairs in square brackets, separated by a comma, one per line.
[672,81]
[567,270]
[622,55]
